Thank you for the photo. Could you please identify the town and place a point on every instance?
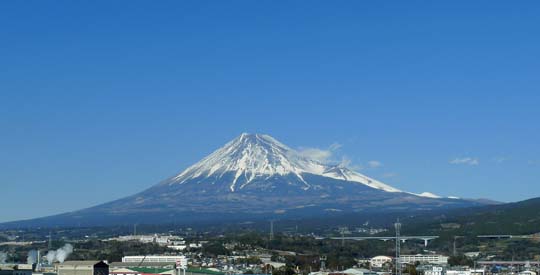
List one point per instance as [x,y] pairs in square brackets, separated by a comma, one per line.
[277,253]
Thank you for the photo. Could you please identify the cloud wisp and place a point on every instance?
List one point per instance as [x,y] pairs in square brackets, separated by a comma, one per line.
[329,156]
[318,154]
[465,161]
[389,175]
[499,160]
[374,164]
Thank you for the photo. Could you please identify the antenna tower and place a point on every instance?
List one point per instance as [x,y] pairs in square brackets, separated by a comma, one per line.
[397,226]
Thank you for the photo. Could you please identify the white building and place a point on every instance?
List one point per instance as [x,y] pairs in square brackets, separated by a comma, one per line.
[435,270]
[152,259]
[430,259]
[158,239]
[123,271]
[472,254]
[379,261]
[358,271]
[178,247]
[466,272]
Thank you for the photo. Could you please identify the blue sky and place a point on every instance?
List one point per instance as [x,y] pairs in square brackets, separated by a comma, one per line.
[102,99]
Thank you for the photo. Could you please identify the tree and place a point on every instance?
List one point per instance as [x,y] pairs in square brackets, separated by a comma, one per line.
[285,270]
[460,260]
[215,249]
[410,269]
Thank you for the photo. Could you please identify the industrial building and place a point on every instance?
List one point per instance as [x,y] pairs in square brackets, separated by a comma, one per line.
[149,266]
[152,259]
[443,270]
[16,269]
[429,259]
[83,268]
[124,271]
[466,272]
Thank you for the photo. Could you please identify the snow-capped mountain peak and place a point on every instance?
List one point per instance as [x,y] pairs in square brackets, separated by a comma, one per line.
[256,177]
[255,156]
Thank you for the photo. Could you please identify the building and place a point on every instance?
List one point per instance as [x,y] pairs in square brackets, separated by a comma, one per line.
[146,266]
[358,271]
[430,259]
[379,261]
[434,270]
[274,265]
[178,247]
[466,271]
[152,259]
[15,269]
[474,254]
[83,268]
[158,239]
[123,271]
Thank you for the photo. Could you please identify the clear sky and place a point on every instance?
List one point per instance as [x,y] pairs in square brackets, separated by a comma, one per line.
[102,99]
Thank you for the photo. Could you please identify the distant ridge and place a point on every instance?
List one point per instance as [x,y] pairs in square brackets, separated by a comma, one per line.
[521,217]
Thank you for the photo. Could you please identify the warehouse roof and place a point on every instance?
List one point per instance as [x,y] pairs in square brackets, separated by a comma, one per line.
[73,263]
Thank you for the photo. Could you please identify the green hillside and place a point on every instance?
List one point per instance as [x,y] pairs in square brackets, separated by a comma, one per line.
[513,218]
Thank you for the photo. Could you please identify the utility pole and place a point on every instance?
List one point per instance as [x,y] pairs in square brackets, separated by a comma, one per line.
[271,229]
[50,240]
[397,226]
[454,245]
[323,263]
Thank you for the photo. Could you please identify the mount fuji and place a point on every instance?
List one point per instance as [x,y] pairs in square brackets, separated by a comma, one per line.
[253,158]
[253,175]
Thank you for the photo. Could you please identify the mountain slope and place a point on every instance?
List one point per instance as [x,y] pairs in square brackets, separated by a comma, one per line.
[254,176]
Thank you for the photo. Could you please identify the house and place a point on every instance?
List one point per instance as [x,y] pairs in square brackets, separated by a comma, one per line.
[379,261]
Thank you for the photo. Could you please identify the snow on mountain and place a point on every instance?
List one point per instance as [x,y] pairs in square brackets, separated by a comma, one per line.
[429,195]
[255,156]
